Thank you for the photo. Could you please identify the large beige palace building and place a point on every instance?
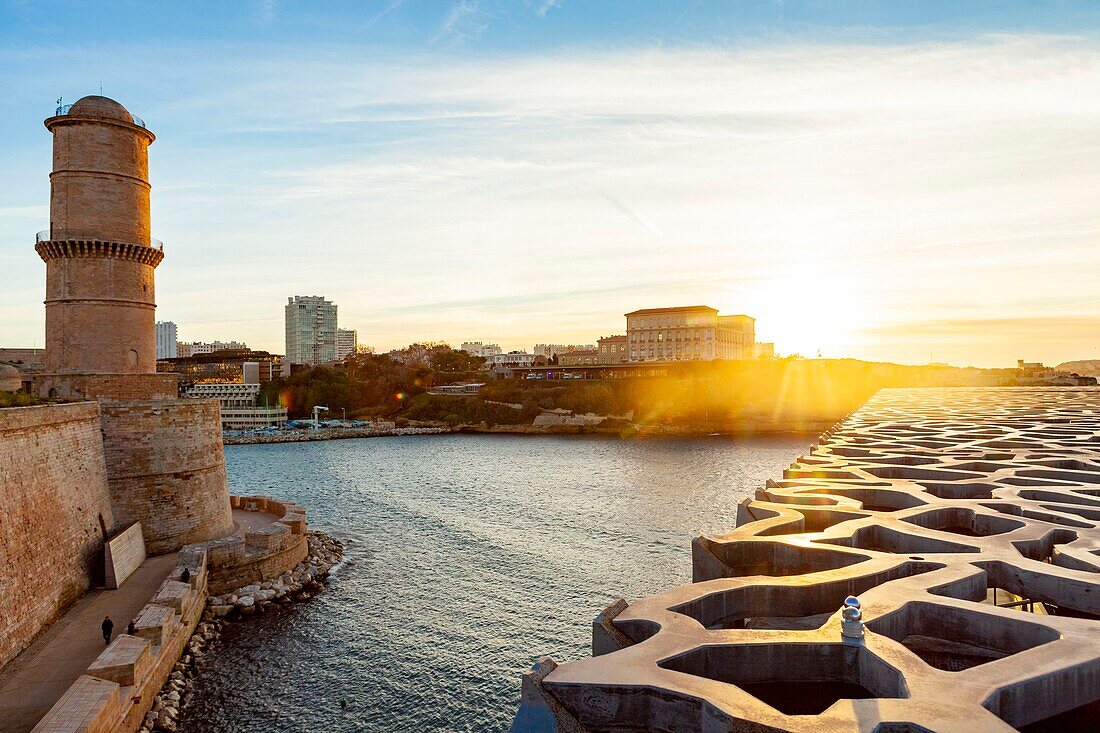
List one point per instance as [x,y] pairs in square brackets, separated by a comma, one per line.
[688,333]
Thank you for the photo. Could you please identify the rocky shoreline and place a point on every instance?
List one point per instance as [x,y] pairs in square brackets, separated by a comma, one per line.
[298,585]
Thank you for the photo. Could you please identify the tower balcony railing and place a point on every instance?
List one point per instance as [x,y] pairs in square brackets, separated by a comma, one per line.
[45,236]
[64,110]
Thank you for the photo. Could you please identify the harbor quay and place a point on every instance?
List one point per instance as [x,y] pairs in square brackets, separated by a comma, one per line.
[932,564]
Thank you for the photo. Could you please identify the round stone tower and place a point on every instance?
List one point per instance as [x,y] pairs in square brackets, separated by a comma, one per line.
[164,456]
[99,256]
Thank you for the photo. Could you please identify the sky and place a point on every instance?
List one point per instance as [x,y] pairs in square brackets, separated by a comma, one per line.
[897,181]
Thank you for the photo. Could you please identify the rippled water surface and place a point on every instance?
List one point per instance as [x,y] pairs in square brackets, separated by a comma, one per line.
[468,558]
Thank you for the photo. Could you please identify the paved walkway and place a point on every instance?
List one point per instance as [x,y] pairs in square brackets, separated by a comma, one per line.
[32,682]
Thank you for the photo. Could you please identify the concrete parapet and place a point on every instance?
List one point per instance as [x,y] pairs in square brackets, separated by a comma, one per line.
[90,705]
[261,553]
[967,522]
[125,661]
[119,686]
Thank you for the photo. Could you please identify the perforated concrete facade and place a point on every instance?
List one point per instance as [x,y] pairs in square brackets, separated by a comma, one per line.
[950,513]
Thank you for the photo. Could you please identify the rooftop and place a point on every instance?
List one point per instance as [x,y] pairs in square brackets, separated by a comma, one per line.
[677,309]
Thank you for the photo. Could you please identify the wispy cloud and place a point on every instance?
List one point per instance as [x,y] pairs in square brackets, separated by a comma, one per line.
[545,6]
[464,22]
[837,192]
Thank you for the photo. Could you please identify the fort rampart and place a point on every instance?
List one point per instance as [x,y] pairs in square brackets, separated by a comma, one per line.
[55,509]
[166,469]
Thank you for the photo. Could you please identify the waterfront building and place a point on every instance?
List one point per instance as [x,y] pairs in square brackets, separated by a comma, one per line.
[763,350]
[167,346]
[551,350]
[585,357]
[195,348]
[688,333]
[515,359]
[226,365]
[477,348]
[347,340]
[613,350]
[229,394]
[310,330]
[238,405]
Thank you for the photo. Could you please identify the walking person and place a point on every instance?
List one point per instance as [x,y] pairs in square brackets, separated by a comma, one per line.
[108,626]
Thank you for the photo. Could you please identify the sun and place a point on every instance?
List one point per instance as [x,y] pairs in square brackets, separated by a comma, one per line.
[806,314]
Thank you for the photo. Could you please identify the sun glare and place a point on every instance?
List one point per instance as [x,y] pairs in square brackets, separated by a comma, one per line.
[806,314]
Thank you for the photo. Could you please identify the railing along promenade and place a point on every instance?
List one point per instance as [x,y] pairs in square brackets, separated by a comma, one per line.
[965,522]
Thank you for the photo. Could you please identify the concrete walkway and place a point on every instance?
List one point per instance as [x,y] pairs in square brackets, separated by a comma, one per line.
[32,682]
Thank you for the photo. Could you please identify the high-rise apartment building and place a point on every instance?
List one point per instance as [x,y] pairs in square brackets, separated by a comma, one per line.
[166,340]
[688,333]
[347,340]
[310,330]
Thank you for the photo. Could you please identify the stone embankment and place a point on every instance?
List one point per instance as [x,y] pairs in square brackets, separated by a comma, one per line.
[297,585]
[301,436]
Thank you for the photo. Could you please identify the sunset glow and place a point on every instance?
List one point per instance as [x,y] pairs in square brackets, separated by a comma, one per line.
[897,196]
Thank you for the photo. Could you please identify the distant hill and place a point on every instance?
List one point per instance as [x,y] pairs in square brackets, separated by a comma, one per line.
[1089,367]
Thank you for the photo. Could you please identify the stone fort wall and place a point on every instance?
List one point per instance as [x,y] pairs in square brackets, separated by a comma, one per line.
[166,469]
[54,507]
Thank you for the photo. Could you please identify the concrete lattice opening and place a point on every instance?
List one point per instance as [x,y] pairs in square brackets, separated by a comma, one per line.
[947,490]
[795,679]
[875,500]
[953,639]
[787,606]
[1081,719]
[885,539]
[779,559]
[962,521]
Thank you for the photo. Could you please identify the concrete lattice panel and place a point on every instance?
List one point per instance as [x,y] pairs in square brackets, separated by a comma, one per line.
[965,520]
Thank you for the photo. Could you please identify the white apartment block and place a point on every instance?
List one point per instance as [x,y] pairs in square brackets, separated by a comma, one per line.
[231,394]
[167,348]
[688,333]
[238,405]
[477,348]
[195,348]
[310,330]
[346,341]
[512,359]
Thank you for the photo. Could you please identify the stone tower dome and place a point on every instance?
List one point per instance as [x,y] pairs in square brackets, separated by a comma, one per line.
[98,251]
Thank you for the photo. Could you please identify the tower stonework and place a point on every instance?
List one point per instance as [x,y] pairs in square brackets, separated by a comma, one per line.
[100,257]
[165,462]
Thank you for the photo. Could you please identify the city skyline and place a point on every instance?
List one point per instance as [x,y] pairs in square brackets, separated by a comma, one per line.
[903,190]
